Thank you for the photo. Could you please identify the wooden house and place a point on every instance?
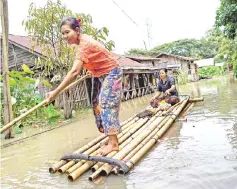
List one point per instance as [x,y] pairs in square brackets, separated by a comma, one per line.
[175,63]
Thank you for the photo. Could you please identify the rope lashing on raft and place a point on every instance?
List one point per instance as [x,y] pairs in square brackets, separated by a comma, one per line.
[103,159]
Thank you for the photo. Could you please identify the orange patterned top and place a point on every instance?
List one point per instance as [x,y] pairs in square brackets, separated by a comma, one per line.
[95,57]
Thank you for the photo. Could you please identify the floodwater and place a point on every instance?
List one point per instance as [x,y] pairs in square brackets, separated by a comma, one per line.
[200,153]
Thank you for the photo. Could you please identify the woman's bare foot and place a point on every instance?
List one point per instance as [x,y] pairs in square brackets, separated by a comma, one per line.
[112,145]
[109,148]
[101,129]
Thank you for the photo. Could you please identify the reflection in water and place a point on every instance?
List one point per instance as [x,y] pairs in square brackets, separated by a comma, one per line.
[199,153]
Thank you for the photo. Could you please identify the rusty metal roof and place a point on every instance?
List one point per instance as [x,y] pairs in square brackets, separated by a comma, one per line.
[126,62]
[25,42]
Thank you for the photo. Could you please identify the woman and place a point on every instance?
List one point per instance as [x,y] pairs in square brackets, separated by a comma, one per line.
[166,85]
[106,80]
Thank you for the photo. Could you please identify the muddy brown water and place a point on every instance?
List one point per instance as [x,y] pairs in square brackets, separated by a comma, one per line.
[200,153]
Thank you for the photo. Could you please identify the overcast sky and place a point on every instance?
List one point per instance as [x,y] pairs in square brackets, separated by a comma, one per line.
[168,20]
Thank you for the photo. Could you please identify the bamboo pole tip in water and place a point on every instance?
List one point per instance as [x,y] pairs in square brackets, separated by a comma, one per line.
[60,171]
[103,173]
[52,170]
[121,172]
[70,178]
[90,178]
[198,99]
[93,169]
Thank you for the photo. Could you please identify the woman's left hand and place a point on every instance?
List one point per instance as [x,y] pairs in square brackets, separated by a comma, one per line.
[51,96]
[167,92]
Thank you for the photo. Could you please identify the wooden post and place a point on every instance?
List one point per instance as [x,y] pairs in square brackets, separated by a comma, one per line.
[8,115]
[87,94]
[15,57]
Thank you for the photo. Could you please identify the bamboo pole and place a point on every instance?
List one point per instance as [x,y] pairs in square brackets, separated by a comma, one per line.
[132,117]
[196,99]
[189,108]
[78,172]
[88,149]
[135,150]
[106,168]
[152,141]
[133,133]
[80,163]
[158,113]
[44,102]
[8,114]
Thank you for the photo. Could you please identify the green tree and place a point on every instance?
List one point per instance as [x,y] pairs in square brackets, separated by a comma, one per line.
[185,47]
[226,16]
[43,24]
[137,52]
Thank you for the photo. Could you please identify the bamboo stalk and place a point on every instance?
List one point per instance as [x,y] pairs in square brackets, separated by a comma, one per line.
[152,141]
[190,107]
[196,99]
[99,164]
[132,117]
[90,148]
[135,150]
[146,126]
[106,168]
[61,163]
[7,126]
[8,113]
[78,172]
[134,132]
[187,109]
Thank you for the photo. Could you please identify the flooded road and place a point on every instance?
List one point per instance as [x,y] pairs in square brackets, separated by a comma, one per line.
[200,153]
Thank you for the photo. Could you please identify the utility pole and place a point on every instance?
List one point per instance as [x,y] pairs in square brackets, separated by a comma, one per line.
[8,115]
[148,26]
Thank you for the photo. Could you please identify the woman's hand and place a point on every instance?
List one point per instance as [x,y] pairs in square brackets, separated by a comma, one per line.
[89,73]
[153,98]
[167,92]
[51,96]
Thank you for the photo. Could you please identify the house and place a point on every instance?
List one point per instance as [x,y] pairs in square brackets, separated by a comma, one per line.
[19,51]
[175,63]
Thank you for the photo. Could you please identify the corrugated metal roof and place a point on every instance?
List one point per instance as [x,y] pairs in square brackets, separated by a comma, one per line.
[24,41]
[126,62]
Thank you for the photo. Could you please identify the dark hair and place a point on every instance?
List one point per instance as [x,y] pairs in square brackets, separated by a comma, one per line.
[164,69]
[72,21]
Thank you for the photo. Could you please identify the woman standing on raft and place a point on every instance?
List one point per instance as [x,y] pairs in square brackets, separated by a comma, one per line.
[106,80]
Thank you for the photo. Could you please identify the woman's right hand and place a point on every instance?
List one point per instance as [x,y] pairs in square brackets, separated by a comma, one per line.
[89,73]
[153,98]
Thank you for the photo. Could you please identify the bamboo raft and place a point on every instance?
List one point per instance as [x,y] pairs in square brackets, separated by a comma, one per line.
[138,136]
